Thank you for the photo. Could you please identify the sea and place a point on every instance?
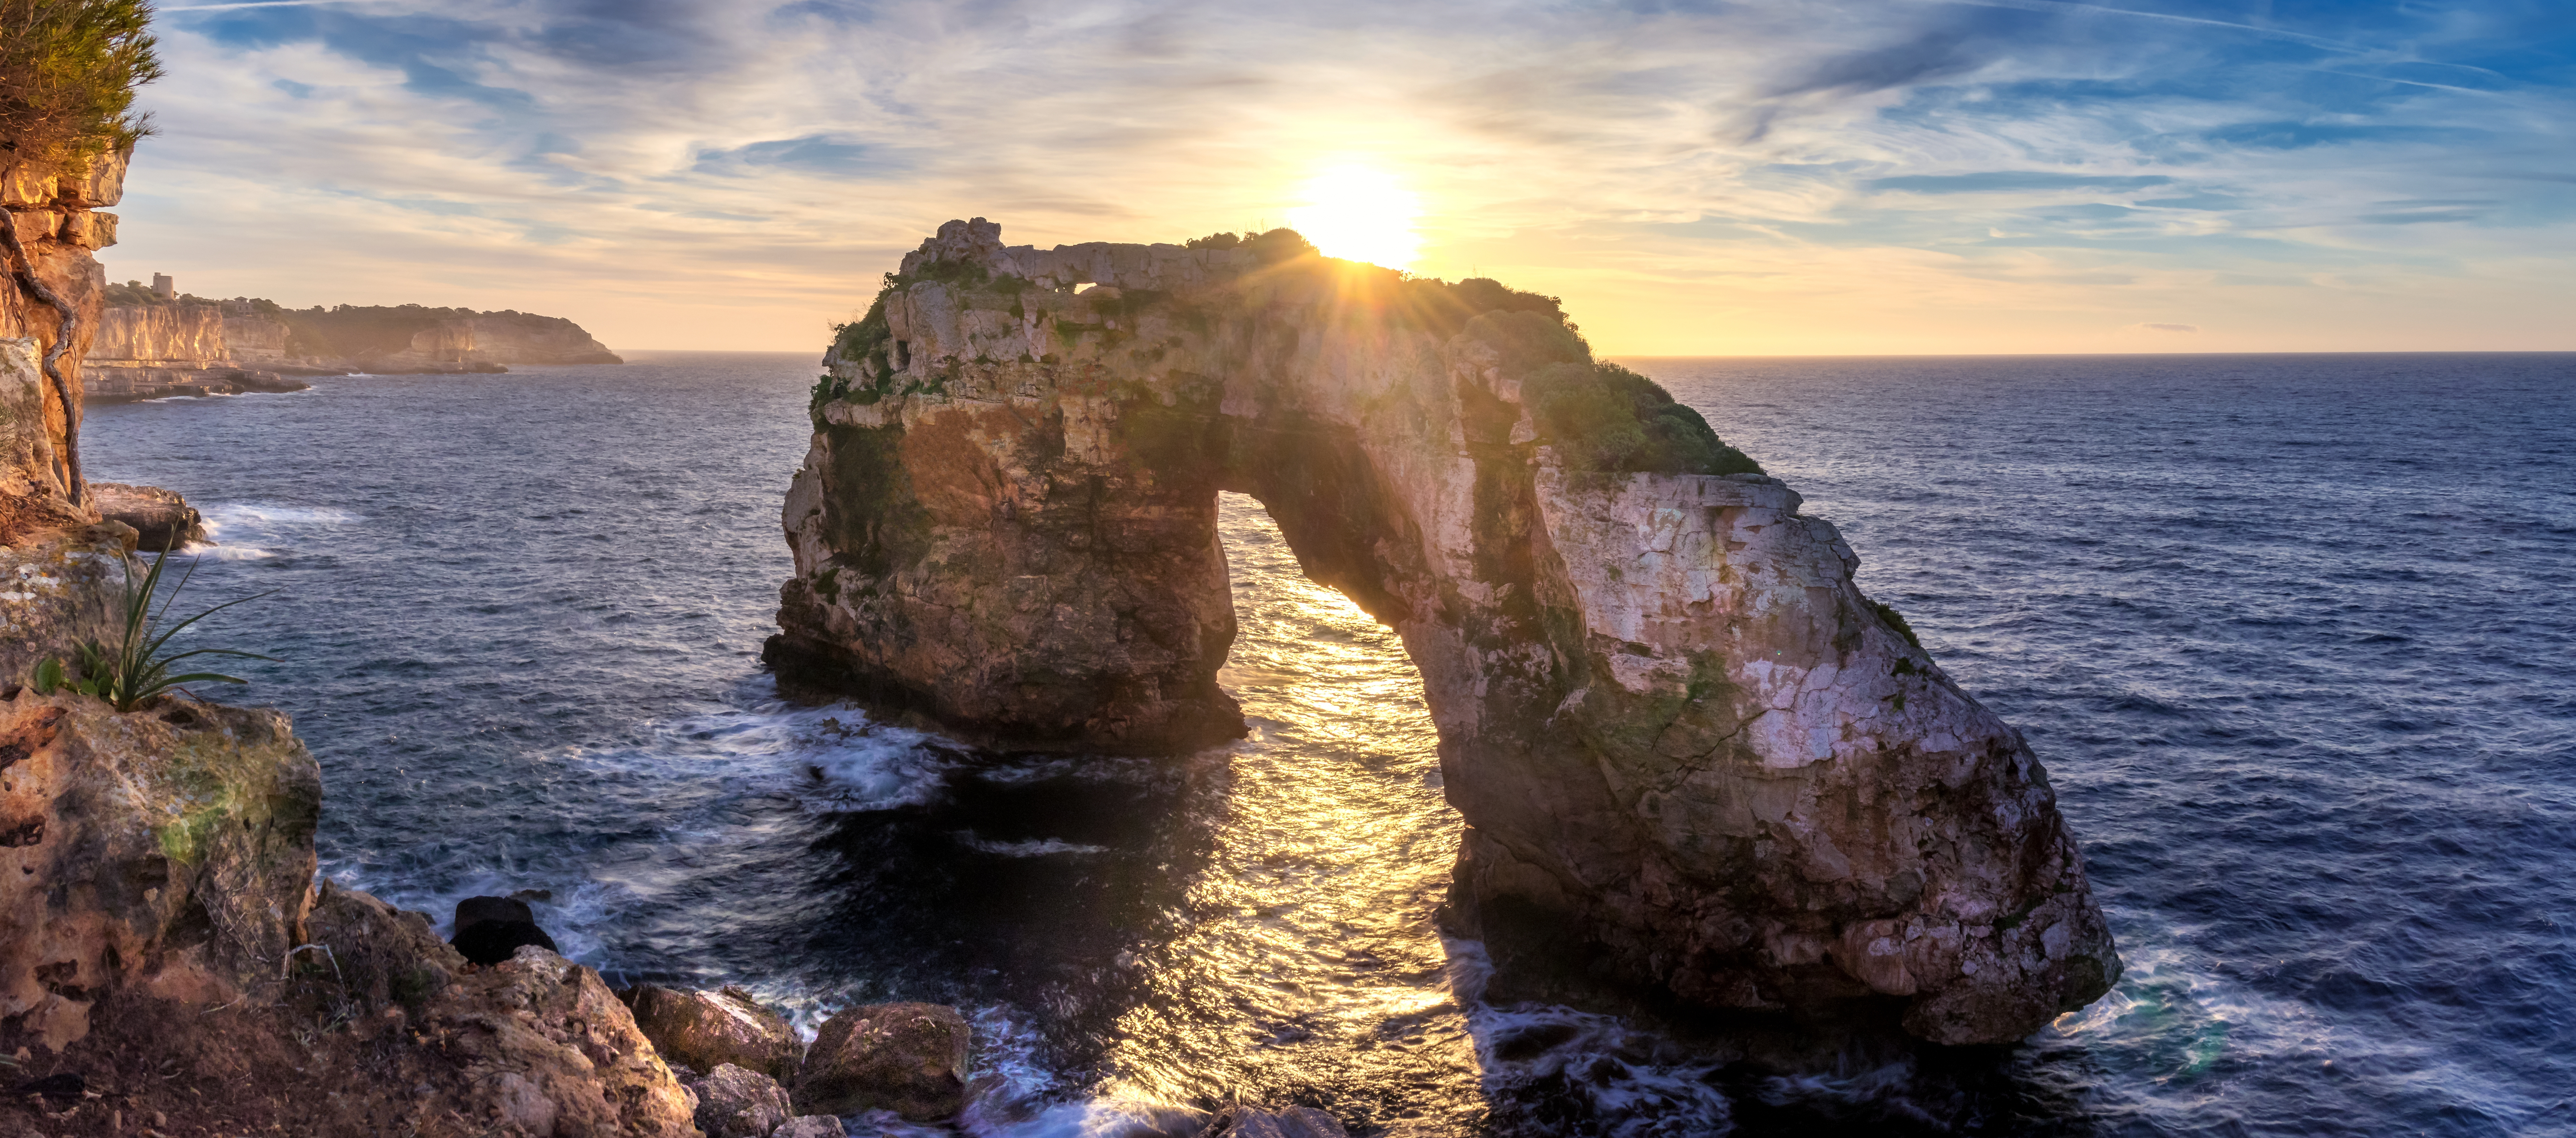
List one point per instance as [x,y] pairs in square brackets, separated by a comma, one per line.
[2294,634]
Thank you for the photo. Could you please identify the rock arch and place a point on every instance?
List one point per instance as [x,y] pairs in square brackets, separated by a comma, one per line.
[1669,719]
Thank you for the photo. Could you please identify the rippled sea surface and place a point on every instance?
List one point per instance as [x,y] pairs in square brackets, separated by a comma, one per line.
[2292,633]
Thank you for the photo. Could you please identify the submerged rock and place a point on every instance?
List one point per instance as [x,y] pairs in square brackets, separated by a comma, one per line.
[161,518]
[704,1029]
[907,1058]
[1690,754]
[490,930]
[1289,1122]
[812,1126]
[735,1103]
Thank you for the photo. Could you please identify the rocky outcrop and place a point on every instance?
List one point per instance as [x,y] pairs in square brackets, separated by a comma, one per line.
[161,519]
[162,946]
[907,1058]
[1690,753]
[167,854]
[707,1029]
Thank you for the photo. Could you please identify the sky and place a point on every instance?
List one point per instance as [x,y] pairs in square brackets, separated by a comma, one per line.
[1693,178]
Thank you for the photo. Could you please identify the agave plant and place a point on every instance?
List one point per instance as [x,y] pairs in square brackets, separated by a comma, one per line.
[139,666]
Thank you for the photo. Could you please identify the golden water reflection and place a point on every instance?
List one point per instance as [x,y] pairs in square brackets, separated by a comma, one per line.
[1308,967]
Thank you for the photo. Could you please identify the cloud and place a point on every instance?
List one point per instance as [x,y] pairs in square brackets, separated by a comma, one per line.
[2170,327]
[1998,181]
[1685,172]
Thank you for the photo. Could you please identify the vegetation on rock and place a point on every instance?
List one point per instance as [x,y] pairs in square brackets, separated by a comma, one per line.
[1598,415]
[68,70]
[137,667]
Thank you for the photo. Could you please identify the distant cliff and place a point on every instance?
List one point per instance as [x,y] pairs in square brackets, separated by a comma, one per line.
[150,344]
[410,336]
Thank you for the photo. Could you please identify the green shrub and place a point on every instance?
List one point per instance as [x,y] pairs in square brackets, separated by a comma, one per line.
[1896,620]
[1601,416]
[137,667]
[68,70]
[1214,241]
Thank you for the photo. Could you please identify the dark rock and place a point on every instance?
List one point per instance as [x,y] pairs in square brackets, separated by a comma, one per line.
[735,1103]
[490,929]
[704,1029]
[907,1058]
[812,1126]
[1291,1122]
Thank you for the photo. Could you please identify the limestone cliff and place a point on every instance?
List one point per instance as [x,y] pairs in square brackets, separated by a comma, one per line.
[1675,728]
[412,338]
[149,346]
[188,334]
[51,287]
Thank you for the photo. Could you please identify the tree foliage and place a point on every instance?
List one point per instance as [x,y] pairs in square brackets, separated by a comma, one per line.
[68,70]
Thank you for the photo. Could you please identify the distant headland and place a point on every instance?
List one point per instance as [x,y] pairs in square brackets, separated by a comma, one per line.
[154,341]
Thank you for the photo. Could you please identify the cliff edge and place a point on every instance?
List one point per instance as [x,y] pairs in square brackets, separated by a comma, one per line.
[1688,750]
[164,952]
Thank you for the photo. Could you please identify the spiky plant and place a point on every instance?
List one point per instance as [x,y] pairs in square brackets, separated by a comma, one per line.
[139,666]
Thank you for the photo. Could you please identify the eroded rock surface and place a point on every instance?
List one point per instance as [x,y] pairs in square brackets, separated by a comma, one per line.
[167,852]
[706,1029]
[735,1103]
[1682,740]
[161,519]
[907,1058]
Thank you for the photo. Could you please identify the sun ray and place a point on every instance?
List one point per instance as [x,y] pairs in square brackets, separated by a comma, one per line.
[1360,214]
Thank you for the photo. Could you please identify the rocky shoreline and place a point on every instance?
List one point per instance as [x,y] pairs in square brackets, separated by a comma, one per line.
[171,966]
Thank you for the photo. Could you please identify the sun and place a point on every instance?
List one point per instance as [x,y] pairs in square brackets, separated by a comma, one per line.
[1359,214]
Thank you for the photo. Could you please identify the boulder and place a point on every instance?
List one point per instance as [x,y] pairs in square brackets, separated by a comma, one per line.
[161,518]
[705,1029]
[1291,1122]
[735,1103]
[490,930]
[907,1058]
[543,1044]
[812,1126]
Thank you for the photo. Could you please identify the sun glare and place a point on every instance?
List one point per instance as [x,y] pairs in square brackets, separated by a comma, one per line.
[1360,214]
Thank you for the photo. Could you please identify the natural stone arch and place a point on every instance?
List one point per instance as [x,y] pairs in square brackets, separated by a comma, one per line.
[1670,721]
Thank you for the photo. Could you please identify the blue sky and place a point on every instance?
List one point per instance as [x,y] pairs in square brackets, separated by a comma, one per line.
[1798,176]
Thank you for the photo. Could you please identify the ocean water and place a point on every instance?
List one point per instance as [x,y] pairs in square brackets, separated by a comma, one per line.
[2292,634]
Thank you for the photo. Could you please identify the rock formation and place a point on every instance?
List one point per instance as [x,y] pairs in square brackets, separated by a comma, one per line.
[149,346]
[164,348]
[163,950]
[705,1030]
[410,338]
[904,1057]
[54,227]
[161,519]
[1683,742]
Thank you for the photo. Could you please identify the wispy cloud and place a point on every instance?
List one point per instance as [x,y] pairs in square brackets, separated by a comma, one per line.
[1819,175]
